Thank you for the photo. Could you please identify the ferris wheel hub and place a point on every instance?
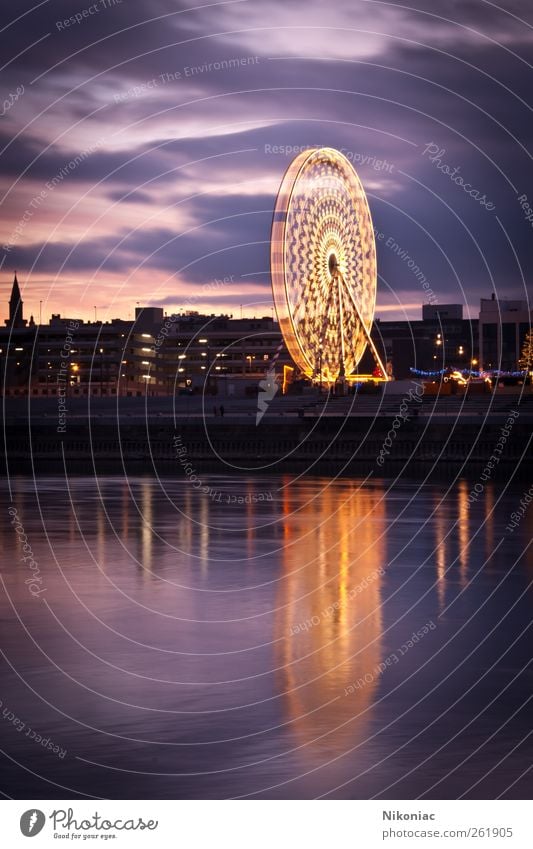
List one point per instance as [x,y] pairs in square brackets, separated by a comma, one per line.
[333,264]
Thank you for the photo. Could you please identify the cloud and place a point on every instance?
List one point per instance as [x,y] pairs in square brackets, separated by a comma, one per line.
[195,113]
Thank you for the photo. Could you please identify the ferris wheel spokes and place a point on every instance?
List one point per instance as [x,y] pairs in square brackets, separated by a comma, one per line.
[365,330]
[342,367]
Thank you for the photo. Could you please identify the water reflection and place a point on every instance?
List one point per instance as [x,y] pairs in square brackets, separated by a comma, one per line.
[267,625]
[147,524]
[489,497]
[329,621]
[441,560]
[462,524]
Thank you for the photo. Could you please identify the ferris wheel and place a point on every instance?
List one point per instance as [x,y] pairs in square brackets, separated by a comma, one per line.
[323,265]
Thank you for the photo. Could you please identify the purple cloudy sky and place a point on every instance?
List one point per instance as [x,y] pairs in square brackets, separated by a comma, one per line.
[178,138]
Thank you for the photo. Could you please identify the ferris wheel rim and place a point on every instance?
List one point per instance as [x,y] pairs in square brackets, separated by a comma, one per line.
[351,190]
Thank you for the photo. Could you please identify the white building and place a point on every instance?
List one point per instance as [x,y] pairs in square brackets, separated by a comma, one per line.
[502,329]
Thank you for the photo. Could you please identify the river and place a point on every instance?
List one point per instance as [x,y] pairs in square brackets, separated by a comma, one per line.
[265,637]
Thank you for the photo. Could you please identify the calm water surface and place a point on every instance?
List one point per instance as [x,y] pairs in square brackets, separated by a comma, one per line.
[257,640]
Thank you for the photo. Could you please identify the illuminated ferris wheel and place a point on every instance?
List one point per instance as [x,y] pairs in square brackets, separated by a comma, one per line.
[323,265]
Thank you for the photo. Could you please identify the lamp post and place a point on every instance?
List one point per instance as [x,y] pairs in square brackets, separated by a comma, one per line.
[320,370]
[439,353]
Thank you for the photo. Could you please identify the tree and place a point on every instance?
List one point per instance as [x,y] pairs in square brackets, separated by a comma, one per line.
[525,362]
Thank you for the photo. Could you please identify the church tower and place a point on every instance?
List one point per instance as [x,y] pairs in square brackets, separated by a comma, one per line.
[16,317]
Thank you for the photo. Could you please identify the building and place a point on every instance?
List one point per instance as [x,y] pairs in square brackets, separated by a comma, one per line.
[159,354]
[442,312]
[16,320]
[502,329]
[443,339]
[214,353]
[83,357]
[155,354]
[16,344]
